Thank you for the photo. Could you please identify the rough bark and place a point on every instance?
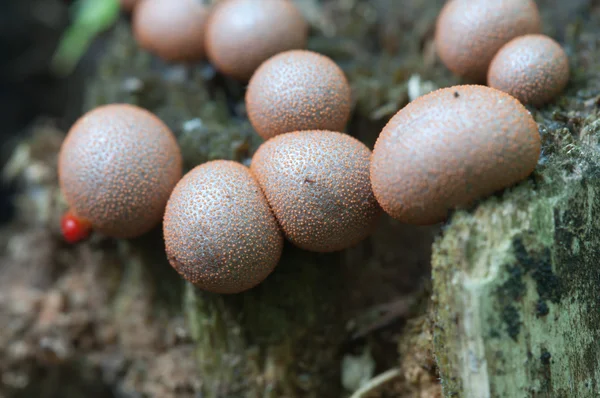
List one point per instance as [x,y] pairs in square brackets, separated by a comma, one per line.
[516,291]
[516,281]
[111,318]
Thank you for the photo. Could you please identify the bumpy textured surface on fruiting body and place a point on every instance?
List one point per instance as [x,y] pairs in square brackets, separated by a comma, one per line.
[532,68]
[317,183]
[242,34]
[117,168]
[449,148]
[173,30]
[298,90]
[220,233]
[470,32]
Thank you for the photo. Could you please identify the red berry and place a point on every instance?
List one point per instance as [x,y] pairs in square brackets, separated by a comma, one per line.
[74,229]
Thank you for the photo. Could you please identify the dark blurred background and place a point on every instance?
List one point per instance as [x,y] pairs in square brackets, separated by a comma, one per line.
[30,31]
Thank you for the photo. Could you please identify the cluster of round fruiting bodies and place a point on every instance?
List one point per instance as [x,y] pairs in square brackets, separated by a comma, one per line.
[500,41]
[235,35]
[224,223]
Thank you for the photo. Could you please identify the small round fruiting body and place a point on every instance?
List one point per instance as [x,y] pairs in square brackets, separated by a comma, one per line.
[173,30]
[532,68]
[470,32]
[242,34]
[317,183]
[219,231]
[449,148]
[298,90]
[74,228]
[117,168]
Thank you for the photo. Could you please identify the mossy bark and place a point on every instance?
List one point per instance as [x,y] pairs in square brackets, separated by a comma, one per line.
[515,279]
[279,339]
[516,286]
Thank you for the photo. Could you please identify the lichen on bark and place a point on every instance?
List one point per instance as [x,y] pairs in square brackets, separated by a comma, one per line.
[516,279]
[516,283]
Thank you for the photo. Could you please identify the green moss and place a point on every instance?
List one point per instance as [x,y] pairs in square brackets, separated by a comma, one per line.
[289,313]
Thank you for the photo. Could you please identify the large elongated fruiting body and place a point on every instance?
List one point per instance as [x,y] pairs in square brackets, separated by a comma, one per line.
[532,68]
[470,32]
[171,29]
[317,183]
[219,231]
[298,90]
[449,148]
[242,34]
[117,168]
